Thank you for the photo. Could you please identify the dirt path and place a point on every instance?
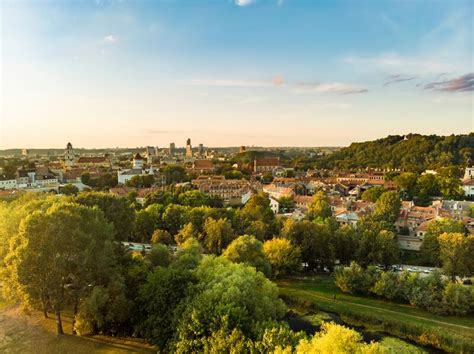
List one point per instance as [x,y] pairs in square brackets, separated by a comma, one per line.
[33,334]
[389,311]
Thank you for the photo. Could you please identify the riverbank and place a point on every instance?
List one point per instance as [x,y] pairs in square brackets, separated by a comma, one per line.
[448,333]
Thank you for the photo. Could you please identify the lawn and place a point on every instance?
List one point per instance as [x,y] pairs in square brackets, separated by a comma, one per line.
[321,290]
[20,333]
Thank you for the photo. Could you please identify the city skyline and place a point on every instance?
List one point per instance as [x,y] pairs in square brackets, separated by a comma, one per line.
[111,73]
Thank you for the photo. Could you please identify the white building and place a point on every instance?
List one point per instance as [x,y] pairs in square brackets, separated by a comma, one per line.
[8,183]
[274,205]
[123,176]
[468,182]
[69,156]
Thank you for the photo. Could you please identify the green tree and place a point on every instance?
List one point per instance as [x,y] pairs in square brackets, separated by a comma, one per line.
[218,234]
[457,254]
[174,218]
[406,182]
[319,206]
[344,243]
[248,250]
[355,279]
[159,255]
[80,239]
[373,194]
[282,255]
[69,189]
[430,246]
[458,299]
[227,296]
[387,207]
[147,221]
[116,210]
[164,290]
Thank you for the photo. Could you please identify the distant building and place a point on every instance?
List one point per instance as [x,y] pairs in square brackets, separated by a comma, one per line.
[93,161]
[8,183]
[266,164]
[25,152]
[201,149]
[69,156]
[242,149]
[137,161]
[189,148]
[150,152]
[468,182]
[172,149]
[231,191]
[203,166]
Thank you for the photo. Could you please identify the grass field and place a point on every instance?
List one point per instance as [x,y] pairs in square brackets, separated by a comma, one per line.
[321,290]
[20,333]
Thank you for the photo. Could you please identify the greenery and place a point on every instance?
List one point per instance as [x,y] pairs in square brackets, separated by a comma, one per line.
[413,152]
[452,334]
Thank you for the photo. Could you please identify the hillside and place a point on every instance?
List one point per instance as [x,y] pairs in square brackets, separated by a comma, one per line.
[413,152]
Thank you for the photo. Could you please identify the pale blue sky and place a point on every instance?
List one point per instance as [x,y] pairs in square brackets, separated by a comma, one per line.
[109,73]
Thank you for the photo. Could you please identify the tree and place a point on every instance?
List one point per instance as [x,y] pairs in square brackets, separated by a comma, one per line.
[174,218]
[248,250]
[458,299]
[355,279]
[163,237]
[159,256]
[218,234]
[335,338]
[282,255]
[344,243]
[147,221]
[159,297]
[373,194]
[387,207]
[116,210]
[406,182]
[141,181]
[430,246]
[186,233]
[227,296]
[377,243]
[313,239]
[457,254]
[287,204]
[174,174]
[319,206]
[69,189]
[80,239]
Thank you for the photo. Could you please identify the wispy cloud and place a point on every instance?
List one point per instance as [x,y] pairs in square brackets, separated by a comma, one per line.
[392,79]
[110,39]
[330,87]
[279,81]
[244,2]
[459,84]
[395,62]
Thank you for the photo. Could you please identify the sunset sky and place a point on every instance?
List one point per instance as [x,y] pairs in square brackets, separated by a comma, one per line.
[124,73]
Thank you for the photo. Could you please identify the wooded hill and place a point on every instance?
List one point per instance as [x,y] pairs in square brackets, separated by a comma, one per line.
[412,152]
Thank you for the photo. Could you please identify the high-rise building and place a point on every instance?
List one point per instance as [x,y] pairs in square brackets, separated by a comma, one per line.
[172,148]
[189,149]
[201,149]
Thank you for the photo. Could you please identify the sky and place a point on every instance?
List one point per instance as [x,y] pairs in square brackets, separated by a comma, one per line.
[118,73]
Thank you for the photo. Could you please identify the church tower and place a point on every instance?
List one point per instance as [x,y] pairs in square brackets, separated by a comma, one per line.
[189,149]
[137,162]
[69,156]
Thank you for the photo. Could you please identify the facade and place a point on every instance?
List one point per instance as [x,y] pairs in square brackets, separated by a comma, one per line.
[203,166]
[266,164]
[231,191]
[8,183]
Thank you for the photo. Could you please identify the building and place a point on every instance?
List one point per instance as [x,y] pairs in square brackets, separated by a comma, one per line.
[25,152]
[150,153]
[242,149]
[274,205]
[231,191]
[8,183]
[137,162]
[92,161]
[203,166]
[123,176]
[278,192]
[189,149]
[172,149]
[266,164]
[69,156]
[201,150]
[468,182]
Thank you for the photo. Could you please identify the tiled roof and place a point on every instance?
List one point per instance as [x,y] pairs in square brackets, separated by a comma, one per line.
[92,159]
[267,161]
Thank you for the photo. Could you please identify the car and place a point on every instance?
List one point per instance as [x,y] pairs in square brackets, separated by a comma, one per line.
[467,282]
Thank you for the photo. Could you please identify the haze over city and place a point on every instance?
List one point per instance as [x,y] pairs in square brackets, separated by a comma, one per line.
[111,73]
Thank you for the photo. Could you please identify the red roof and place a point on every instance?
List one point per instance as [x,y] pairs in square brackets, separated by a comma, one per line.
[92,159]
[268,161]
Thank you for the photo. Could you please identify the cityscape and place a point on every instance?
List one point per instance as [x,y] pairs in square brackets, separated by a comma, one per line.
[237,176]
